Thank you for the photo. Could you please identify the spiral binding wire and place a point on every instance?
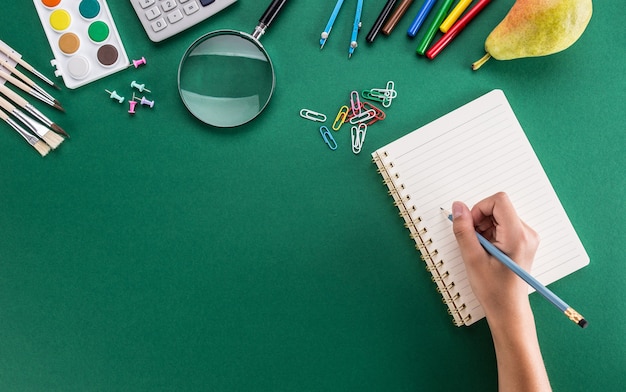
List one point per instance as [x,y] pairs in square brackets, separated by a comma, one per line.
[419,234]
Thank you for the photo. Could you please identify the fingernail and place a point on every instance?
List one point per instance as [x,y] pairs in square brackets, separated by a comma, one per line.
[457,209]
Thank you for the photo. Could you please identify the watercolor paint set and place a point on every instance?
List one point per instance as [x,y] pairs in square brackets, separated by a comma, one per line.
[83,38]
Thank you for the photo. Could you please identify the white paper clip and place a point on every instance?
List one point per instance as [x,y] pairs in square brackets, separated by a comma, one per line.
[384,95]
[363,116]
[313,116]
[358,137]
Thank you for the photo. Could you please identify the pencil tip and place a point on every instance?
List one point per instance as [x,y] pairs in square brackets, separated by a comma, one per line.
[56,86]
[583,323]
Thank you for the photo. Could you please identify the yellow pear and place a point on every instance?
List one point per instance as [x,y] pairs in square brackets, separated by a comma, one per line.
[537,28]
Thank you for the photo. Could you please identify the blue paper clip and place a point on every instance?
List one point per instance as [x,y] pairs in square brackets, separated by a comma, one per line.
[328,137]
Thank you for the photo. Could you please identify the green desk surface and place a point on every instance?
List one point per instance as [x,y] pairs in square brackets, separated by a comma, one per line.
[153,253]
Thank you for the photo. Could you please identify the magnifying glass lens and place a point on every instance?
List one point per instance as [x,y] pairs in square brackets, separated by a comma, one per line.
[225,78]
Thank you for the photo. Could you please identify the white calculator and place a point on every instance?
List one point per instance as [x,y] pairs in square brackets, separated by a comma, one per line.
[162,19]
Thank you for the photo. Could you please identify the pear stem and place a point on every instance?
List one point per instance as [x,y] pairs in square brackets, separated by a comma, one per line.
[480,62]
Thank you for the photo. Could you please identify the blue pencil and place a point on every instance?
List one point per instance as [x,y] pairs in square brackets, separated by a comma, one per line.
[420,17]
[528,278]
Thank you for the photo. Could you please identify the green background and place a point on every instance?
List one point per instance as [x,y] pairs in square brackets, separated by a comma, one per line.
[154,253]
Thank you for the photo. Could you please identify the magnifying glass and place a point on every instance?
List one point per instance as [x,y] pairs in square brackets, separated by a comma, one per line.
[226,78]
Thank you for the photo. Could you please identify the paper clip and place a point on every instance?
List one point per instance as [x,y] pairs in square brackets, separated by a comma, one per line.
[313,116]
[352,113]
[341,117]
[380,115]
[355,102]
[390,94]
[328,137]
[358,137]
[363,116]
[384,95]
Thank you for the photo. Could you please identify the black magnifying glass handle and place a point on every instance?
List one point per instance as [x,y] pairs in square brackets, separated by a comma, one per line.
[268,17]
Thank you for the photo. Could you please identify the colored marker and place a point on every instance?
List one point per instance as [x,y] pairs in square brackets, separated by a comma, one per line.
[456,29]
[380,20]
[395,17]
[454,15]
[420,17]
[434,26]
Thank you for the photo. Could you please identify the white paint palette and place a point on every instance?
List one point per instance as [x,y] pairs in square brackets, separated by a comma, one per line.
[83,38]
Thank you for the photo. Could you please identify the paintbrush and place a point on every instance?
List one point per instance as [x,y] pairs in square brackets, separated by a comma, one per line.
[25,79]
[21,102]
[48,136]
[27,89]
[33,140]
[13,55]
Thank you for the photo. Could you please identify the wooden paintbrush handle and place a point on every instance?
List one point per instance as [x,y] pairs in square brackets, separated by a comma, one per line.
[19,101]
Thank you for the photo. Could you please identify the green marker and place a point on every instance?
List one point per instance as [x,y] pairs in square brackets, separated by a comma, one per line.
[434,26]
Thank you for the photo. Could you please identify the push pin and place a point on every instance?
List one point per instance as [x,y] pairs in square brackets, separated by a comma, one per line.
[145,101]
[115,95]
[141,61]
[132,107]
[140,87]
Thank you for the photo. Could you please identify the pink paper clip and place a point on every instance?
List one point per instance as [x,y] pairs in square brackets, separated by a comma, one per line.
[355,102]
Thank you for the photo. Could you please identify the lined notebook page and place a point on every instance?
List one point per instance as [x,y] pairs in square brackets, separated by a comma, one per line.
[467,155]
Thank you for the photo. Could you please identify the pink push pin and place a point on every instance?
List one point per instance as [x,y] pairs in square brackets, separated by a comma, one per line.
[132,106]
[141,61]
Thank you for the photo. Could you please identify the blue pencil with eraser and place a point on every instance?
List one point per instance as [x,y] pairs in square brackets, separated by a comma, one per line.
[528,278]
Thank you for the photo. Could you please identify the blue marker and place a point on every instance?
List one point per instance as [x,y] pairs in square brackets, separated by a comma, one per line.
[420,18]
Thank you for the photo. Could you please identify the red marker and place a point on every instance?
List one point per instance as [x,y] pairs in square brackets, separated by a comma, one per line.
[456,29]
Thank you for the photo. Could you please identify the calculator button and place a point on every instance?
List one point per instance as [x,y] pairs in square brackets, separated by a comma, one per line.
[162,19]
[191,8]
[168,5]
[175,16]
[146,3]
[153,13]
[158,24]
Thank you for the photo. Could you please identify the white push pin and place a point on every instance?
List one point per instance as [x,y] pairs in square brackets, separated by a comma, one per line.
[140,87]
[114,95]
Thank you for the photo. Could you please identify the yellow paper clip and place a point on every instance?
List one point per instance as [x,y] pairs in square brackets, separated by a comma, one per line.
[313,116]
[328,138]
[341,117]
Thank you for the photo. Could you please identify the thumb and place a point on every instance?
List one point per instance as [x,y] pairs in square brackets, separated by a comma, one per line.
[463,228]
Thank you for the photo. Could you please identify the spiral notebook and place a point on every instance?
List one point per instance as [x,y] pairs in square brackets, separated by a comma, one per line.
[471,153]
